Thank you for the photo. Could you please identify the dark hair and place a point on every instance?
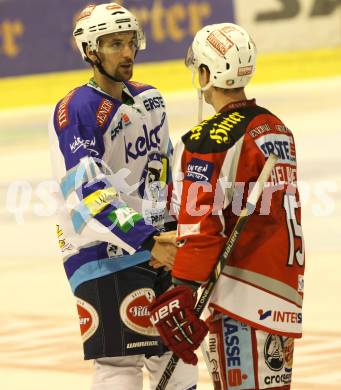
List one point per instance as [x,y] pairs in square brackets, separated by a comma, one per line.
[229,90]
[203,66]
[223,90]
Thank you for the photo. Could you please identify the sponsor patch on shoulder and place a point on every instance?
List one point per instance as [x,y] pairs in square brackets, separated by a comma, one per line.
[280,144]
[63,110]
[103,112]
[199,170]
[259,130]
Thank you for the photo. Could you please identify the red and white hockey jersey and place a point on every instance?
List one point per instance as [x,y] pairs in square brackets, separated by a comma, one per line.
[215,166]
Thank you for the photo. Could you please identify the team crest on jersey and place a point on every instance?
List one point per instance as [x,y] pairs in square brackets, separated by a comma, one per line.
[135,314]
[273,352]
[154,177]
[275,358]
[153,189]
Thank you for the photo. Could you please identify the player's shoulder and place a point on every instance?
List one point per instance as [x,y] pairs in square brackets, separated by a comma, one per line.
[84,106]
[148,95]
[217,133]
[266,122]
[221,131]
[135,88]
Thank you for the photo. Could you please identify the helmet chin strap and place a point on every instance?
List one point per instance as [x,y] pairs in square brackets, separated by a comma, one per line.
[200,103]
[103,72]
[99,66]
[200,91]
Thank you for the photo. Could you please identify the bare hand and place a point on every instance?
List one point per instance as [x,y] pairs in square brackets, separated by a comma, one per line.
[156,264]
[167,237]
[164,250]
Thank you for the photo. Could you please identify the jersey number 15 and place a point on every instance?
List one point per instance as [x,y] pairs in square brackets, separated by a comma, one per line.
[294,229]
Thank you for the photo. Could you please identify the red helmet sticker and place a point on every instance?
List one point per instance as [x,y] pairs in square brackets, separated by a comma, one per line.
[245,70]
[220,42]
[113,7]
[86,12]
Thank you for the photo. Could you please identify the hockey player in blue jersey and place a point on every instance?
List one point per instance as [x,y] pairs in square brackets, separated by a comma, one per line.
[111,155]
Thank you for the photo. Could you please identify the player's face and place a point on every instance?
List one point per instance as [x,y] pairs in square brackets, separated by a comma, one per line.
[117,52]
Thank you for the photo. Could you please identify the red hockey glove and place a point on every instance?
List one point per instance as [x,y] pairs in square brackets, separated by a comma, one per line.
[179,327]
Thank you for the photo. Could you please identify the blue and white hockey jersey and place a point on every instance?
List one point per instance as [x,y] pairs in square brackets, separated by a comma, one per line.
[111,160]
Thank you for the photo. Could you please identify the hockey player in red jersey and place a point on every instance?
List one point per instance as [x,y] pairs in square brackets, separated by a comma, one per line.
[256,306]
[111,155]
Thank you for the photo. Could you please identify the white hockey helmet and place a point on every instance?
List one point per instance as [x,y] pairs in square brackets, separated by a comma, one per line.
[95,21]
[229,53]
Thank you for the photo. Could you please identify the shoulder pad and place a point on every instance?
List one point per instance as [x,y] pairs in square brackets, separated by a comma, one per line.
[216,134]
[136,88]
[62,111]
[84,105]
[221,131]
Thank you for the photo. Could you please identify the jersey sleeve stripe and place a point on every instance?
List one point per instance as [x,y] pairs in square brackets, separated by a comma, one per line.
[272,285]
[102,267]
[75,177]
[100,199]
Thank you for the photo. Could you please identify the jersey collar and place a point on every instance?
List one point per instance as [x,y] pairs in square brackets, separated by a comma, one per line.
[126,95]
[240,104]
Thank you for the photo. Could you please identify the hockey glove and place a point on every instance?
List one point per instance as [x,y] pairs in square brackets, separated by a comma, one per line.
[179,327]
